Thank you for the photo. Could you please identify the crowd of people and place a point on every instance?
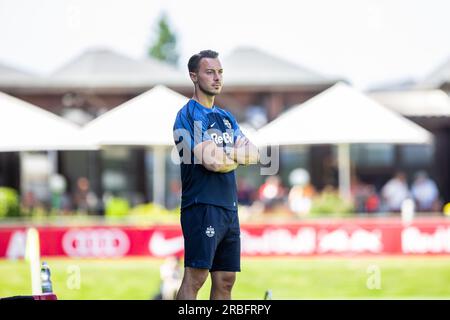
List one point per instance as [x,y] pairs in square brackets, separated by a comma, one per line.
[298,199]
[82,200]
[274,195]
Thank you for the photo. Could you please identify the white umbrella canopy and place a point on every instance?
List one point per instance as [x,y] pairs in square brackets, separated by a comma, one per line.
[341,115]
[146,120]
[25,127]
[248,131]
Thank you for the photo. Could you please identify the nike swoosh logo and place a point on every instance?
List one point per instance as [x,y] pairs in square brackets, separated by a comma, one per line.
[212,125]
[160,246]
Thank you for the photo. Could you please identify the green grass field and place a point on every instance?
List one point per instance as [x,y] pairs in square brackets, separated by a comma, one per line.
[288,278]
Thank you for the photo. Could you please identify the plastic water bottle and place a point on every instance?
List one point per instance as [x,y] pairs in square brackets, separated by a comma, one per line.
[46,282]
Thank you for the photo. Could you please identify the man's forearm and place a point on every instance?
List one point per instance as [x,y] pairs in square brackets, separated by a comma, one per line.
[228,167]
[221,166]
[248,154]
[216,160]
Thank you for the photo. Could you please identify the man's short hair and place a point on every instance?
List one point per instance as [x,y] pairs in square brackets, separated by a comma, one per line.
[194,61]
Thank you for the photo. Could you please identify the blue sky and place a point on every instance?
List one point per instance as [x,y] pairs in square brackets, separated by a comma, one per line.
[369,42]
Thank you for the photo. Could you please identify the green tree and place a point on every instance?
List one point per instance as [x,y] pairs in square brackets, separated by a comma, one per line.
[165,45]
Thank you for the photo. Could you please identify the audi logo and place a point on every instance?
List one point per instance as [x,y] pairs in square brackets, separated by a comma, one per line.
[96,243]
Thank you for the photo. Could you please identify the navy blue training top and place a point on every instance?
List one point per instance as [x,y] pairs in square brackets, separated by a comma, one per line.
[194,124]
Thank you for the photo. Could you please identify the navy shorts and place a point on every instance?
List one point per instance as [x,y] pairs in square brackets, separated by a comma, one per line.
[211,238]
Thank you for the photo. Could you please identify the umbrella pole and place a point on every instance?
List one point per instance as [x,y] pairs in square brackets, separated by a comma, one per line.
[344,170]
[21,173]
[159,179]
[53,160]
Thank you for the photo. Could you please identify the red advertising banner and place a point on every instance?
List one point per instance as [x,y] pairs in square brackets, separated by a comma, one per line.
[372,236]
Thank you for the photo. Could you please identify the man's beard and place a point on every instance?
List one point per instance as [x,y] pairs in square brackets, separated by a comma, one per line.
[207,92]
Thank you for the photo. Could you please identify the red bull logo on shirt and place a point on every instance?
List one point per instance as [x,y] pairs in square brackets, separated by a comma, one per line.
[224,138]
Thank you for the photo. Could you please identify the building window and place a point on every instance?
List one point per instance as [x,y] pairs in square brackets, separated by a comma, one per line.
[373,155]
[115,175]
[292,158]
[417,155]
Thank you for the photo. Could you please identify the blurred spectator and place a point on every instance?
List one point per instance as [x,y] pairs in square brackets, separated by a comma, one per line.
[425,193]
[272,193]
[174,196]
[302,192]
[359,195]
[85,200]
[30,201]
[59,198]
[330,171]
[300,199]
[171,276]
[372,203]
[245,192]
[365,197]
[395,191]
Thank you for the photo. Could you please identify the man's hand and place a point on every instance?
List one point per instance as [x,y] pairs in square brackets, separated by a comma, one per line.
[244,152]
[214,158]
[241,141]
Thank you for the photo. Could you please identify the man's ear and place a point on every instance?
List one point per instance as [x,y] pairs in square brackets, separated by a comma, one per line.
[193,76]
